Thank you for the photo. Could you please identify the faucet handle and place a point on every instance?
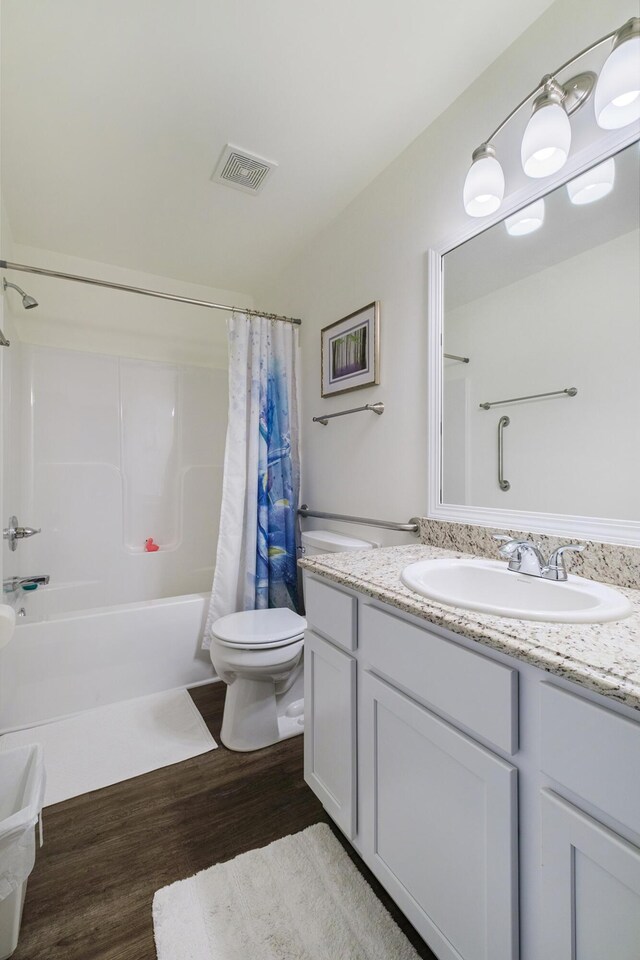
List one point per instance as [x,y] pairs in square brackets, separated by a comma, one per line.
[556,568]
[523,555]
[509,544]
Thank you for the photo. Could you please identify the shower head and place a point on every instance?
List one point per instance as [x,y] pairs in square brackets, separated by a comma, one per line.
[27,301]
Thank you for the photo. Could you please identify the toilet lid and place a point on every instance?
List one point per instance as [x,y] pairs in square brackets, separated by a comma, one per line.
[260,628]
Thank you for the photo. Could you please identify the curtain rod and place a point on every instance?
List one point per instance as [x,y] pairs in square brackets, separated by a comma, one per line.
[8,265]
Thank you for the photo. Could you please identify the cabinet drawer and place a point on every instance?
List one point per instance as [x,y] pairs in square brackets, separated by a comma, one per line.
[593,752]
[331,612]
[468,687]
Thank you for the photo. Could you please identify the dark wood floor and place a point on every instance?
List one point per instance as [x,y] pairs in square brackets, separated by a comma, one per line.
[107,852]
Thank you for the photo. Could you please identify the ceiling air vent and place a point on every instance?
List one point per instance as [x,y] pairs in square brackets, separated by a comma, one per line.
[242,170]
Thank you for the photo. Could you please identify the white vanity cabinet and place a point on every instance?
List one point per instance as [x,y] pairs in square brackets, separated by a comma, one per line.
[498,805]
[590,887]
[330,735]
[590,873]
[438,825]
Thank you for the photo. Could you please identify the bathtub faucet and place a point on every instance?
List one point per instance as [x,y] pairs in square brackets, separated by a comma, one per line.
[15,532]
[14,583]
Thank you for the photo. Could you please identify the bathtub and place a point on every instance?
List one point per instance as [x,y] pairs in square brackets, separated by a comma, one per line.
[72,662]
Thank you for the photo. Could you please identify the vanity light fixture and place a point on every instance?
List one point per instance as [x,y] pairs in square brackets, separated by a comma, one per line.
[547,138]
[484,186]
[594,184]
[617,99]
[526,220]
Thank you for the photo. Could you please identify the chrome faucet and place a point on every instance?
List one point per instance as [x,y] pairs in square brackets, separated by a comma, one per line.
[14,583]
[525,557]
[13,533]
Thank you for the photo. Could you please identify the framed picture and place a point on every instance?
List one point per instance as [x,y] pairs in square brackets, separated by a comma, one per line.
[351,351]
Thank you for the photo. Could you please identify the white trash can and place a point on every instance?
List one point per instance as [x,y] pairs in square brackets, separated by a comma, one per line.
[22,782]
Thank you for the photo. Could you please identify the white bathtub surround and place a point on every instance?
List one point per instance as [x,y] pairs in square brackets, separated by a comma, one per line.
[115,743]
[256,557]
[607,562]
[604,657]
[7,624]
[106,452]
[70,663]
[301,898]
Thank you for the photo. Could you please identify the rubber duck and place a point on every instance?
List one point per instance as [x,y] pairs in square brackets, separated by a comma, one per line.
[150,546]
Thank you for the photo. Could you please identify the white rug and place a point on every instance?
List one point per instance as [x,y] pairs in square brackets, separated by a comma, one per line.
[122,740]
[300,898]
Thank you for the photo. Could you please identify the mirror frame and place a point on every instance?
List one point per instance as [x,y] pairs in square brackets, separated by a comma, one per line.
[600,529]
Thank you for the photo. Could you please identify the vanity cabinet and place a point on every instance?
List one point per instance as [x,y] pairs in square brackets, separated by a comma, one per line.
[590,874]
[497,804]
[590,887]
[330,729]
[438,825]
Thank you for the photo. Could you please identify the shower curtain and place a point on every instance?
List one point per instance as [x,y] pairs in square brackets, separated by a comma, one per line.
[257,543]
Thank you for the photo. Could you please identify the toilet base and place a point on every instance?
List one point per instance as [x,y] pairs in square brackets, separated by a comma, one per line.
[291,722]
[256,717]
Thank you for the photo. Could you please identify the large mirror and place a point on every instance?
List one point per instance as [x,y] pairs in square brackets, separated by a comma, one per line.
[540,389]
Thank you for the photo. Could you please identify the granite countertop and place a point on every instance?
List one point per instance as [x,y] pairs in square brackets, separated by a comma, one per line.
[605,657]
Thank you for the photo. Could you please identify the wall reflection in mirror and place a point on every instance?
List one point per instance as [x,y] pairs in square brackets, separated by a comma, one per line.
[547,302]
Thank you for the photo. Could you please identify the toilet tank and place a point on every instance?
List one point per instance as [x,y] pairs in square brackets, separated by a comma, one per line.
[328,541]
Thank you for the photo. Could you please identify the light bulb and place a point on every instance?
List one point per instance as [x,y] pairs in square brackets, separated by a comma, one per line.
[526,220]
[547,138]
[484,185]
[593,184]
[617,98]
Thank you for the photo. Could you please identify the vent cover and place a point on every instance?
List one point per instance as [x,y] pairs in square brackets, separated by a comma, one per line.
[243,170]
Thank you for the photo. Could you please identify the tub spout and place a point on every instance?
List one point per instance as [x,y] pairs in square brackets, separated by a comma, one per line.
[14,583]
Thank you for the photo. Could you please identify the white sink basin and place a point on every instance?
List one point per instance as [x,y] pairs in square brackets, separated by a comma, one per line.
[488,586]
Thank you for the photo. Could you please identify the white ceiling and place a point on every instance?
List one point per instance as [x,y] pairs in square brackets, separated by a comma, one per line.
[115,113]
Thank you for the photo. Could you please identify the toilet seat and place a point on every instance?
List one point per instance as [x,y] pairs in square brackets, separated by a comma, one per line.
[259,629]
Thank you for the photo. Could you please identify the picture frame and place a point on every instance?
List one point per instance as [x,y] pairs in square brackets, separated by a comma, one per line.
[350,352]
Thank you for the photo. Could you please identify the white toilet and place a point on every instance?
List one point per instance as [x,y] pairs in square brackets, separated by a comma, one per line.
[258,654]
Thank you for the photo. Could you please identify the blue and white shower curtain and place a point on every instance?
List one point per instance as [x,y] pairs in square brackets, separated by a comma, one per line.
[257,543]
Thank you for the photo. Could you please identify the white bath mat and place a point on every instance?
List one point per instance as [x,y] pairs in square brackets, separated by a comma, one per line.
[300,898]
[122,740]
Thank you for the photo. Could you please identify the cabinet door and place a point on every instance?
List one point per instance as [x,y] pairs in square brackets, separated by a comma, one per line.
[590,887]
[439,826]
[330,729]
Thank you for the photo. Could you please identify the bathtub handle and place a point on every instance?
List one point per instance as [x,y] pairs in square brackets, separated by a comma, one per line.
[13,532]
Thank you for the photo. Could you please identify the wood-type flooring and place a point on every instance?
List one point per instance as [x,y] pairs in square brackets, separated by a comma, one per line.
[107,852]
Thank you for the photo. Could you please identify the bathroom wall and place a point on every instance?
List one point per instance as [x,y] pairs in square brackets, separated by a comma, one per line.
[377,466]
[115,450]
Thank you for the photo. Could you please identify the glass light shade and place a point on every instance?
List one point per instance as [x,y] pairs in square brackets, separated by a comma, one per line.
[526,220]
[484,187]
[546,141]
[593,184]
[617,98]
